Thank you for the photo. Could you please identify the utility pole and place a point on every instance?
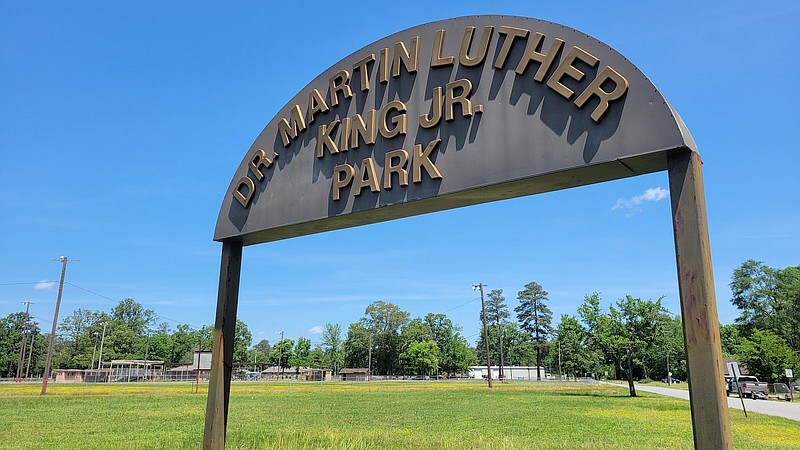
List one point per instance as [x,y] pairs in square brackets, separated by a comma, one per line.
[369,358]
[102,339]
[64,260]
[24,340]
[197,372]
[538,349]
[94,350]
[280,357]
[669,374]
[146,350]
[560,373]
[30,352]
[480,286]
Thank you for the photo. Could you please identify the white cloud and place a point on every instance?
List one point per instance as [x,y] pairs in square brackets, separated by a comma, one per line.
[45,285]
[315,330]
[633,204]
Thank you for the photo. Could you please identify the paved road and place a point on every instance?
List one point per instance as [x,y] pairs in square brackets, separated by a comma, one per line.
[769,407]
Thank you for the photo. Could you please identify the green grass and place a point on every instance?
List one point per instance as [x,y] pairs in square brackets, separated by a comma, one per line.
[418,415]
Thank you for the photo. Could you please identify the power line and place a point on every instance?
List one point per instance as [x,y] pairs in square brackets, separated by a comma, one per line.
[120,301]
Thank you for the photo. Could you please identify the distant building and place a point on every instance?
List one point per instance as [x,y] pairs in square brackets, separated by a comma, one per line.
[527,373]
[69,375]
[355,374]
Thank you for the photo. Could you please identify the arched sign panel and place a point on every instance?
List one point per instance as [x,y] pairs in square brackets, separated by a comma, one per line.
[460,112]
[448,114]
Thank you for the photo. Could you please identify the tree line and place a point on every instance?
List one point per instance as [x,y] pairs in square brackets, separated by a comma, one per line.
[631,338]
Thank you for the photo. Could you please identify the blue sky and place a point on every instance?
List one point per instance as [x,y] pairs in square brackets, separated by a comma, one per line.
[121,125]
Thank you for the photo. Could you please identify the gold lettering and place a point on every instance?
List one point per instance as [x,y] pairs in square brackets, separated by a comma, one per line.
[340,83]
[437,59]
[361,66]
[408,59]
[289,129]
[384,66]
[324,139]
[400,121]
[342,177]
[400,168]
[567,69]
[366,177]
[466,43]
[422,160]
[432,119]
[316,104]
[344,135]
[260,159]
[450,98]
[595,88]
[511,34]
[244,199]
[544,60]
[365,130]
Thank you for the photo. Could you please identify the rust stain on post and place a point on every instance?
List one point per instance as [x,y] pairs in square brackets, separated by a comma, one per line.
[710,418]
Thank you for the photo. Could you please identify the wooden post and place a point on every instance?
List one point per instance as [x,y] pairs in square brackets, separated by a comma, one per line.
[709,404]
[219,386]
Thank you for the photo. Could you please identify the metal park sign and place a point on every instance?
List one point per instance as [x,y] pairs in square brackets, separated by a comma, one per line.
[460,112]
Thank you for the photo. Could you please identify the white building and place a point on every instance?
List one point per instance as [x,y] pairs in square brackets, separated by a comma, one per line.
[527,373]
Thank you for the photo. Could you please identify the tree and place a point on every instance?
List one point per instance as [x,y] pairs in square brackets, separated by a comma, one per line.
[133,315]
[572,355]
[11,328]
[421,357]
[769,299]
[384,320]
[455,355]
[332,347]
[302,353]
[356,345]
[243,340]
[768,356]
[731,339]
[497,313]
[281,353]
[535,318]
[383,317]
[640,326]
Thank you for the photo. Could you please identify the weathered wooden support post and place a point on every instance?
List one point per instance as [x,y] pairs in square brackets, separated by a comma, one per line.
[219,387]
[709,404]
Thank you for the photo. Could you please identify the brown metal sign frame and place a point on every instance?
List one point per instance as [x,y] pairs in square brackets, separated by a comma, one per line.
[506,106]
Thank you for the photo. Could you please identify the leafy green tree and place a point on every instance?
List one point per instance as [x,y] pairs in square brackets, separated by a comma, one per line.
[572,355]
[769,299]
[731,339]
[332,346]
[356,345]
[301,357]
[383,317]
[133,315]
[11,328]
[282,352]
[417,330]
[768,356]
[455,355]
[317,357]
[535,318]
[243,340]
[421,357]
[384,320]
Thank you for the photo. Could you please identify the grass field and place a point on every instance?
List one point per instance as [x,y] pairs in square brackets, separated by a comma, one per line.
[418,415]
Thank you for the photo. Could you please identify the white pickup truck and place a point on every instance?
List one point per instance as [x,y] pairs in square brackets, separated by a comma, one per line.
[750,385]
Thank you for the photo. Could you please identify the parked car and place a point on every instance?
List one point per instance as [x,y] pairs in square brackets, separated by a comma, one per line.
[750,386]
